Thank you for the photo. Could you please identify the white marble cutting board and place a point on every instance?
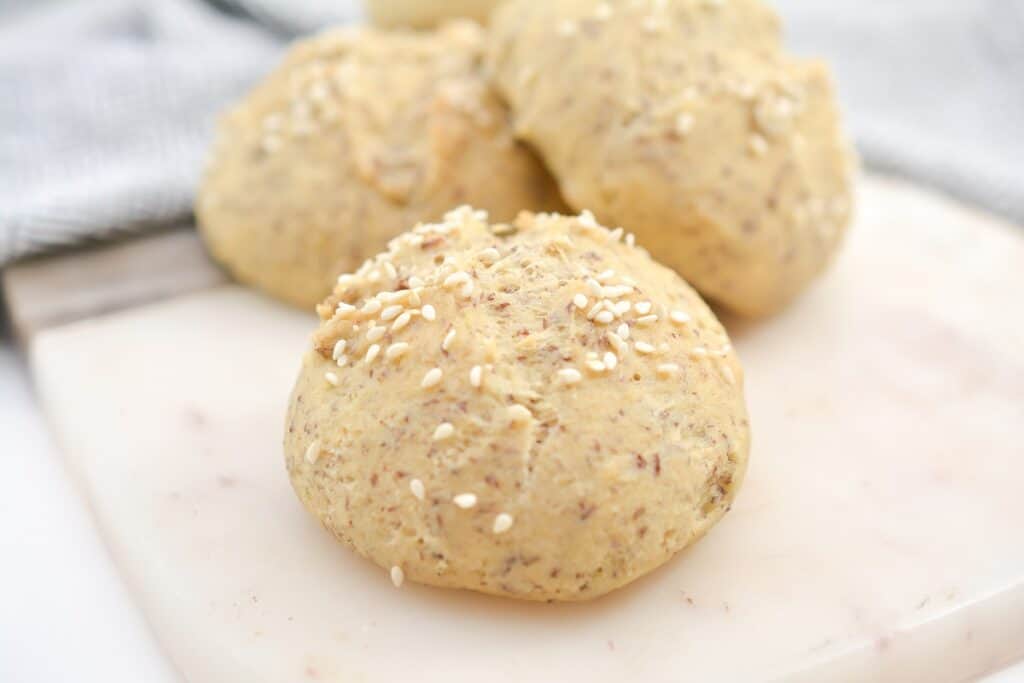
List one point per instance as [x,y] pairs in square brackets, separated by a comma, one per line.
[879,536]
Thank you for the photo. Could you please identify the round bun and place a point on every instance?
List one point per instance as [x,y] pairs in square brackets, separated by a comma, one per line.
[358,135]
[536,410]
[688,124]
[421,14]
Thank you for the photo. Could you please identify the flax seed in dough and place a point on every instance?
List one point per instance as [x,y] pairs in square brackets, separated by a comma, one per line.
[359,134]
[688,123]
[567,417]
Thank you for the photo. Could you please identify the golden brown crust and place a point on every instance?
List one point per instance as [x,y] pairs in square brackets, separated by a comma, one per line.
[359,134]
[571,412]
[686,122]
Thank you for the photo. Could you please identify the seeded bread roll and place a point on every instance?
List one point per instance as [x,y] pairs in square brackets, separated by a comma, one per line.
[426,13]
[358,135]
[686,122]
[535,410]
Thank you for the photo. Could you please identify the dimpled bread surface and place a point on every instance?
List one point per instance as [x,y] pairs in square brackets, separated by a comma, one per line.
[535,410]
[359,134]
[686,122]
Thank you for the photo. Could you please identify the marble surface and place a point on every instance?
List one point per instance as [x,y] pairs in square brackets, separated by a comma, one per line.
[877,537]
[66,614]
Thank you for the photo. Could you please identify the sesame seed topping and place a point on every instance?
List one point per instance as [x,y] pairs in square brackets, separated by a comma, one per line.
[698,352]
[416,486]
[617,343]
[621,308]
[390,269]
[610,360]
[616,235]
[569,376]
[580,301]
[339,349]
[592,313]
[371,307]
[375,333]
[476,376]
[371,353]
[445,430]
[432,378]
[456,279]
[595,287]
[391,312]
[401,321]
[623,331]
[727,373]
[631,240]
[758,145]
[331,378]
[489,255]
[313,452]
[586,218]
[596,366]
[680,317]
[448,339]
[518,413]
[643,347]
[668,369]
[396,350]
[642,307]
[397,576]
[647,320]
[465,500]
[684,123]
[342,361]
[604,317]
[429,313]
[416,282]
[502,523]
[616,291]
[606,275]
[344,309]
[345,279]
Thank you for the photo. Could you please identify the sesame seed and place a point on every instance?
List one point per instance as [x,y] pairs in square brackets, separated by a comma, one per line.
[668,369]
[465,500]
[621,308]
[432,378]
[455,279]
[371,307]
[397,576]
[570,376]
[643,347]
[727,373]
[518,413]
[580,301]
[630,240]
[374,276]
[596,366]
[595,310]
[610,360]
[489,255]
[623,331]
[604,317]
[679,317]
[586,218]
[595,287]
[345,279]
[698,352]
[401,321]
[339,348]
[416,486]
[331,378]
[724,351]
[344,309]
[445,430]
[647,320]
[758,145]
[617,343]
[391,312]
[375,333]
[684,123]
[313,452]
[390,269]
[616,291]
[448,339]
[342,361]
[642,307]
[371,353]
[416,282]
[476,376]
[616,235]
[502,523]
[606,275]
[429,313]
[396,350]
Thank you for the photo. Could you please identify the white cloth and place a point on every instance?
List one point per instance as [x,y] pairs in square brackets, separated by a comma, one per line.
[106,108]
